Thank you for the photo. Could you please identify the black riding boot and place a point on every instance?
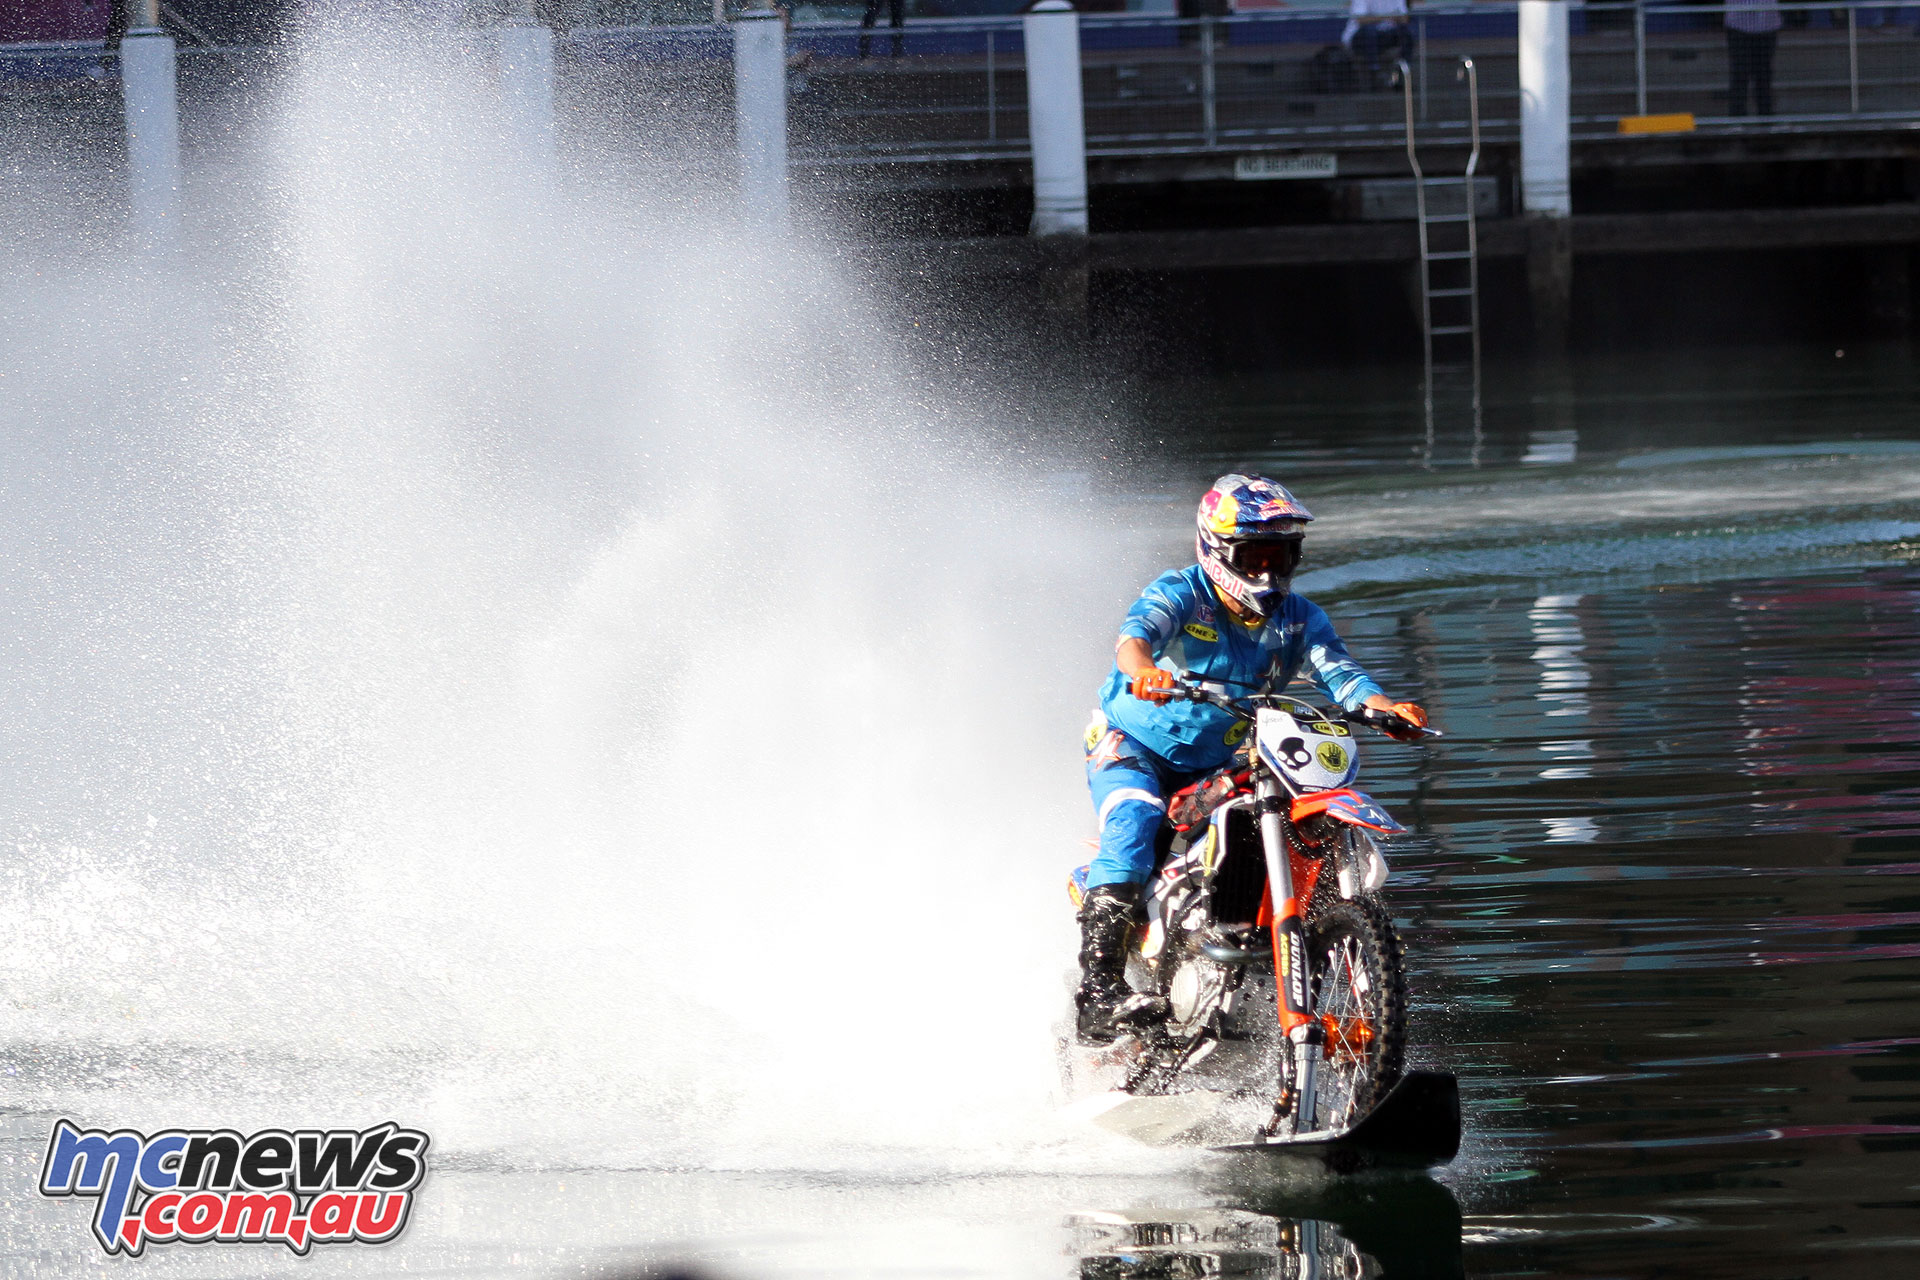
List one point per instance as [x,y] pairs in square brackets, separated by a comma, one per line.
[1107,1004]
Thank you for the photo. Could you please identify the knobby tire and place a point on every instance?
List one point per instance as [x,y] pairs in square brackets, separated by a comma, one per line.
[1359,934]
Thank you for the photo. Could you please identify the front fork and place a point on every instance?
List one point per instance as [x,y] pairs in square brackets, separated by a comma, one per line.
[1304,1033]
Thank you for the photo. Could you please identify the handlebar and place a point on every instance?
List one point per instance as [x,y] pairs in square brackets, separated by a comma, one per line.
[1193,693]
[1383,721]
[1394,726]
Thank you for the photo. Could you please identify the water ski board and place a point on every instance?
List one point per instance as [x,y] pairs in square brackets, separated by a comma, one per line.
[1416,1125]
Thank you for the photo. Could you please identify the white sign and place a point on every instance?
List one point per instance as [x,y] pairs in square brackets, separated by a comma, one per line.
[1267,167]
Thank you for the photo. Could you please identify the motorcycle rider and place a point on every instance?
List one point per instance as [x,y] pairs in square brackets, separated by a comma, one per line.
[1230,620]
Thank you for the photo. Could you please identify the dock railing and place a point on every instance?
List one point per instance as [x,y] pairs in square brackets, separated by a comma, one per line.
[1831,63]
[955,89]
[945,90]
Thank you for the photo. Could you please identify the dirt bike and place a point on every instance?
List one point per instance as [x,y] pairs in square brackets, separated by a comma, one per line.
[1269,939]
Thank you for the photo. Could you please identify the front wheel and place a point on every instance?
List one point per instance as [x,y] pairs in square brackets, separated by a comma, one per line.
[1359,997]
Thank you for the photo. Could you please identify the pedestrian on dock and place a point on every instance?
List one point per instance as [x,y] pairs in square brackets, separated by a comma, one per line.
[896,18]
[1753,27]
[1378,35]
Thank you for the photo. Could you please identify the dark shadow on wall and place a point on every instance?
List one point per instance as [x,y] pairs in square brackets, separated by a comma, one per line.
[1356,314]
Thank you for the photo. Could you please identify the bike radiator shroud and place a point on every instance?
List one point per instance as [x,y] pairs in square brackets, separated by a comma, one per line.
[1241,882]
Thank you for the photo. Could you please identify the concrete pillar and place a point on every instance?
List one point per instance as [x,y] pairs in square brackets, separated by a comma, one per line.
[1546,194]
[1056,119]
[1546,103]
[1066,283]
[1550,280]
[149,85]
[1890,290]
[526,82]
[760,114]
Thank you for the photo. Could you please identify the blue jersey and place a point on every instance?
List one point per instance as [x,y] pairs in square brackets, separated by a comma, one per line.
[1188,628]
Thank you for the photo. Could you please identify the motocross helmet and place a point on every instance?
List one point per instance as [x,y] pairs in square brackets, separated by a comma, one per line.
[1251,533]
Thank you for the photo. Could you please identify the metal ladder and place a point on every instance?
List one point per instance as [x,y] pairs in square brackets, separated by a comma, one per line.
[1449,275]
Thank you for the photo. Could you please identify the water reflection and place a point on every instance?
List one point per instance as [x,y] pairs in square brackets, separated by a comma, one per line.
[1560,642]
[1360,1228]
[1688,406]
[1549,448]
[1665,930]
[1661,907]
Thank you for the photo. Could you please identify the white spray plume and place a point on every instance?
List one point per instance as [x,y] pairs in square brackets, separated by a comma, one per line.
[549,672]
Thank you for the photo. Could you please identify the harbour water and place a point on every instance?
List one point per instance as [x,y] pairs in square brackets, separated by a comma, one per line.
[1659,902]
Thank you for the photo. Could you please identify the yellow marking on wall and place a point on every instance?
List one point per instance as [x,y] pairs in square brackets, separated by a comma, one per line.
[1672,122]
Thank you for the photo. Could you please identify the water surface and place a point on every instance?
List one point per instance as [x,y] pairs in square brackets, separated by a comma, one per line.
[1659,901]
[1660,909]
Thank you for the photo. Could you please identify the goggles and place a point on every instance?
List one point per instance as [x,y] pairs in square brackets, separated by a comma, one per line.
[1276,559]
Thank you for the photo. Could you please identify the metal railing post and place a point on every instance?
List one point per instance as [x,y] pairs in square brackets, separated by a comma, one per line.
[993,106]
[1420,217]
[1422,59]
[1640,56]
[1853,62]
[1472,76]
[1208,112]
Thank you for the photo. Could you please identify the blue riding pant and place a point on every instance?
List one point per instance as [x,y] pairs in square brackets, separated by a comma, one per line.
[1130,786]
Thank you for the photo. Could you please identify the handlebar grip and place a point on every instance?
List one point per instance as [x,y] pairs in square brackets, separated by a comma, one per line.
[1390,724]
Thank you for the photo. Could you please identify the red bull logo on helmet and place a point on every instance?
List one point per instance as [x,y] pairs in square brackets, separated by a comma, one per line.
[1227,582]
[1220,511]
[1242,506]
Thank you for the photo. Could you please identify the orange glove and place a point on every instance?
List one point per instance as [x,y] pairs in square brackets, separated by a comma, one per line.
[1410,711]
[1155,684]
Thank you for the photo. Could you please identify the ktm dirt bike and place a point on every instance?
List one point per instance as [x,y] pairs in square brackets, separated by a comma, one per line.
[1268,937]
